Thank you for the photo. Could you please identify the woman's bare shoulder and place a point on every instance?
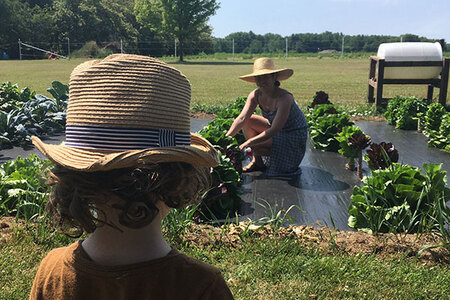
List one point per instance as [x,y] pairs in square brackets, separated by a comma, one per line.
[285,95]
[253,93]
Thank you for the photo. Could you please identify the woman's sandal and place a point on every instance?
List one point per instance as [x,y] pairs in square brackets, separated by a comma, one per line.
[253,167]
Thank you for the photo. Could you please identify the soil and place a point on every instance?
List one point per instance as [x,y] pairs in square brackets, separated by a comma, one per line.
[202,115]
[374,118]
[328,241]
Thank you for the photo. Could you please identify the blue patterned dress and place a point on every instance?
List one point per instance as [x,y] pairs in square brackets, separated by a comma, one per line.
[289,144]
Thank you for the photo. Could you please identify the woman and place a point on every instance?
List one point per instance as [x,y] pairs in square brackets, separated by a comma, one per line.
[281,131]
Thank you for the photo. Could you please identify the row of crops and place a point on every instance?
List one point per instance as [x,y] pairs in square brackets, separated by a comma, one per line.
[24,113]
[393,198]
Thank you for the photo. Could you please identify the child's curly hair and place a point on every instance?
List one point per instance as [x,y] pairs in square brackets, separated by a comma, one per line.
[73,204]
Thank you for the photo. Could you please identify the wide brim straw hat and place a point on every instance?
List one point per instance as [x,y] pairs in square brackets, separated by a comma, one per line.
[127,111]
[263,66]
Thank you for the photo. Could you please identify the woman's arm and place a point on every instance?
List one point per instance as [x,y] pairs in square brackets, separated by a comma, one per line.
[283,109]
[247,111]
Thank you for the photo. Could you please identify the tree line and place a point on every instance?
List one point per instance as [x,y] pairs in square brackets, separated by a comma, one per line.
[152,27]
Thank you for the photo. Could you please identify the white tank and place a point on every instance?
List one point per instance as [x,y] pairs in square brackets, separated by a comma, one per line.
[411,52]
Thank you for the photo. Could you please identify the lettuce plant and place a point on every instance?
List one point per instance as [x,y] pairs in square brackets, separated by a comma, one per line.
[433,118]
[402,198]
[319,98]
[23,191]
[441,139]
[381,156]
[345,148]
[325,121]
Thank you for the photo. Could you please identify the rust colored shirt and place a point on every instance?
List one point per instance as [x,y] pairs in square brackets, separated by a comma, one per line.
[69,273]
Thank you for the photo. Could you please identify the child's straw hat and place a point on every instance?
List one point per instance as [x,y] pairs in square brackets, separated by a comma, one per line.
[126,111]
[263,66]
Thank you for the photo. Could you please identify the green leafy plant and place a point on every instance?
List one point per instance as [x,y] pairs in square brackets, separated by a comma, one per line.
[441,139]
[402,199]
[345,148]
[232,110]
[404,112]
[11,97]
[433,118]
[325,121]
[23,192]
[23,113]
[60,93]
[392,108]
[223,199]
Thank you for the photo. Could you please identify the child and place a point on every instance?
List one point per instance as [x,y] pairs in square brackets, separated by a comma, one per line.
[127,160]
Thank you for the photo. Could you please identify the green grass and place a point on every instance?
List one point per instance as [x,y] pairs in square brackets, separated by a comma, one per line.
[265,269]
[215,82]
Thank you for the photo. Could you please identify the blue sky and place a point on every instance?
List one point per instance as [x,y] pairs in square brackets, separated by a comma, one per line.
[429,18]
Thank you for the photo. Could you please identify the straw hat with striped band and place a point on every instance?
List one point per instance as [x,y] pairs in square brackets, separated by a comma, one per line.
[125,111]
[263,66]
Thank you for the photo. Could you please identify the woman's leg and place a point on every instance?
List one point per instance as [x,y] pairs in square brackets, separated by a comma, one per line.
[253,127]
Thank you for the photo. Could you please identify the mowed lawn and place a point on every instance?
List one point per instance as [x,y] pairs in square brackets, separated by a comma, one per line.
[216,82]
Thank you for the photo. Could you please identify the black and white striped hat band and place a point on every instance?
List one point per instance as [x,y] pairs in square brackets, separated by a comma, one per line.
[123,139]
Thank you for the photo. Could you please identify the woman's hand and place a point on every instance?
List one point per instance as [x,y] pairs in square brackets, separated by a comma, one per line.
[243,146]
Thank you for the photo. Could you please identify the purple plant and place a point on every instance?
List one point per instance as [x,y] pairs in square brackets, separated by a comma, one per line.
[320,98]
[381,156]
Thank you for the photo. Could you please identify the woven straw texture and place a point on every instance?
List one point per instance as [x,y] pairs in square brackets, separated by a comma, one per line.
[134,92]
[263,66]
[128,91]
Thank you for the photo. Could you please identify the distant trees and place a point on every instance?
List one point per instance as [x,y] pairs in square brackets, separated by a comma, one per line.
[183,19]
[149,27]
[249,42]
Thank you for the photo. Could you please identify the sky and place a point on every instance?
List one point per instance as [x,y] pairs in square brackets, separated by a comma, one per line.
[428,18]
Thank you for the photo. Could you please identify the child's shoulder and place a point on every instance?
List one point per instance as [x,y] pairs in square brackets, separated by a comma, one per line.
[190,264]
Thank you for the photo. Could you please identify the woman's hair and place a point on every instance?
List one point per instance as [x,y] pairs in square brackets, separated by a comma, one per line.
[76,198]
[277,83]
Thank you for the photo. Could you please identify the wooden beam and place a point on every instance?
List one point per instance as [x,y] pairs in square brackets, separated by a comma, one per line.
[374,57]
[372,85]
[444,82]
[430,93]
[413,64]
[380,81]
[409,81]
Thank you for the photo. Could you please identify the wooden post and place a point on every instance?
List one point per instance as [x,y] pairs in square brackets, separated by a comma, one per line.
[430,93]
[380,79]
[373,64]
[444,81]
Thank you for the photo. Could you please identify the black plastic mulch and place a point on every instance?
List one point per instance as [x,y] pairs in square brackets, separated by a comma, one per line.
[321,194]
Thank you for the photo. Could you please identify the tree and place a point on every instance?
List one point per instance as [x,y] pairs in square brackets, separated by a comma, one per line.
[182,19]
[95,20]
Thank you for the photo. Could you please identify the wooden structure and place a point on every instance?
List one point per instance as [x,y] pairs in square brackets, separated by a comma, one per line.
[377,80]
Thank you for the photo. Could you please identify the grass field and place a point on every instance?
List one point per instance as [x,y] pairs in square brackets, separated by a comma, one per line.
[269,268]
[215,82]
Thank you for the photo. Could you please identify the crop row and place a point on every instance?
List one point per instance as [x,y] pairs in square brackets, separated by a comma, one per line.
[395,197]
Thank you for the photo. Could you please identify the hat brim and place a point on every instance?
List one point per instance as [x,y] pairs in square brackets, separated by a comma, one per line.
[282,74]
[200,153]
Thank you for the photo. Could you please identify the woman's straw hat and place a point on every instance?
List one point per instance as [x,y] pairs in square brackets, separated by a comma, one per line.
[126,111]
[264,65]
